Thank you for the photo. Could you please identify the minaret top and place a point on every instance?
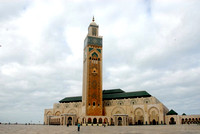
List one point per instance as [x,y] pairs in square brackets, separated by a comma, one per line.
[93,19]
[93,22]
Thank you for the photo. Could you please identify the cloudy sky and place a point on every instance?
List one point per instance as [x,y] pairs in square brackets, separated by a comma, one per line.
[147,45]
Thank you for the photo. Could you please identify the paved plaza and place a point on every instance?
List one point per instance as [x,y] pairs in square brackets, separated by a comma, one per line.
[44,129]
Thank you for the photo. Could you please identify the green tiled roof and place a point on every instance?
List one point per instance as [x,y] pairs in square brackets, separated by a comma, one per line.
[172,112]
[111,94]
[71,99]
[126,95]
[112,91]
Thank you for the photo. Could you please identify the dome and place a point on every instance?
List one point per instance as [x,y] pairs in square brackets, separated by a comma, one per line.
[93,23]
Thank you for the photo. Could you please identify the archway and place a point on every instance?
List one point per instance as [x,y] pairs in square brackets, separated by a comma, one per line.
[69,120]
[118,110]
[139,122]
[105,120]
[154,122]
[89,120]
[172,121]
[57,113]
[153,115]
[72,111]
[139,116]
[94,121]
[130,120]
[183,122]
[100,120]
[119,121]
[49,113]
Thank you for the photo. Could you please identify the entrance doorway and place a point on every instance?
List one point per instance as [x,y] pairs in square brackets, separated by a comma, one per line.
[154,122]
[94,121]
[89,120]
[172,121]
[139,122]
[70,121]
[119,121]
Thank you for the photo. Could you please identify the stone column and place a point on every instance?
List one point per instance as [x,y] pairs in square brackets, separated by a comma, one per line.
[64,120]
[49,118]
[123,121]
[72,120]
[115,121]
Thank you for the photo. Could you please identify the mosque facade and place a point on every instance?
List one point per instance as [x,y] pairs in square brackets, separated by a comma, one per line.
[111,106]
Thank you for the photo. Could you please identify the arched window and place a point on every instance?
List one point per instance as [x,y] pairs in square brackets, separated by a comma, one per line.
[94,31]
[93,103]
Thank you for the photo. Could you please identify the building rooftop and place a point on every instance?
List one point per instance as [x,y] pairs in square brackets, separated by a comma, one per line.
[172,112]
[111,94]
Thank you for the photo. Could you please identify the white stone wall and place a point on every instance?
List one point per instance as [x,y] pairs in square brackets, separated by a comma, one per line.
[144,109]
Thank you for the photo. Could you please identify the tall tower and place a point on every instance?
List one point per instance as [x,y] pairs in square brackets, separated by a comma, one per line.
[92,72]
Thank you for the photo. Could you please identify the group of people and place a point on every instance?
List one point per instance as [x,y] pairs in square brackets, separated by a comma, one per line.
[80,126]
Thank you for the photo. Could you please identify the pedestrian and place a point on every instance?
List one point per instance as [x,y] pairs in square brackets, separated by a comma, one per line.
[79,127]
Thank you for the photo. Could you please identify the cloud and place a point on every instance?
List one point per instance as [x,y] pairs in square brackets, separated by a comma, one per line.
[147,45]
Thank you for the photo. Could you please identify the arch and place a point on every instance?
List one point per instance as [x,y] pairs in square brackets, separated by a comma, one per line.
[94,54]
[95,121]
[153,115]
[118,110]
[138,109]
[139,116]
[49,113]
[69,120]
[146,101]
[57,113]
[72,111]
[119,120]
[133,102]
[105,120]
[89,120]
[154,122]
[172,121]
[107,103]
[93,103]
[130,120]
[100,120]
[183,121]
[120,103]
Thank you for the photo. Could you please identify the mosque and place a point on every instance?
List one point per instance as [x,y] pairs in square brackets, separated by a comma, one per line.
[97,107]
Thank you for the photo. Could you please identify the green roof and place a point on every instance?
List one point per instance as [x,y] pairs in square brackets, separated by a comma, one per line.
[111,94]
[126,95]
[112,91]
[172,112]
[71,99]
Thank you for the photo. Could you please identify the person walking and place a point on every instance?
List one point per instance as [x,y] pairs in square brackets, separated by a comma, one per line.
[79,127]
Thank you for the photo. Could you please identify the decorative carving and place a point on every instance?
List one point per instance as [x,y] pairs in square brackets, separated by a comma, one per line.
[133,102]
[120,103]
[94,84]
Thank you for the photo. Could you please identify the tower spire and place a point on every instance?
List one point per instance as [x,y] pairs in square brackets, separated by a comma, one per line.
[93,19]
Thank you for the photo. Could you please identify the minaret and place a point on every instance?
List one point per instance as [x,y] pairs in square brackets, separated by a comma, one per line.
[92,72]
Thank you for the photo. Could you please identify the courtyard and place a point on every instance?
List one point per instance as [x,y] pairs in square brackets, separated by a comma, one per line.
[149,129]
